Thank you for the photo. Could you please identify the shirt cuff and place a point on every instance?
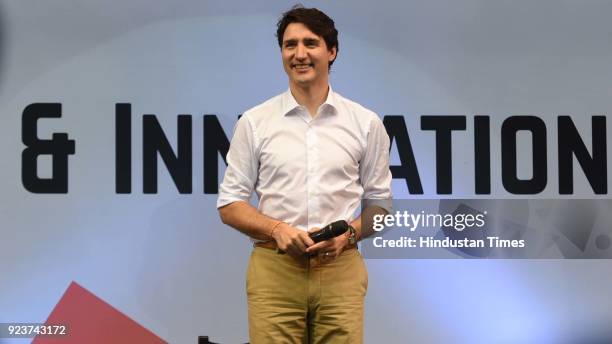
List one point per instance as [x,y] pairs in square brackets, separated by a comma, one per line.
[386,204]
[224,200]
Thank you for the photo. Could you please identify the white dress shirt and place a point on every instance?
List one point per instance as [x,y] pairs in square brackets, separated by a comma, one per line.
[308,172]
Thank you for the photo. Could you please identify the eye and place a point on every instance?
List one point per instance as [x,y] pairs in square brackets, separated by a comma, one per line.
[311,43]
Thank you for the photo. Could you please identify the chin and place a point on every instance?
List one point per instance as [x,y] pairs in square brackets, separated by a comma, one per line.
[305,83]
[302,81]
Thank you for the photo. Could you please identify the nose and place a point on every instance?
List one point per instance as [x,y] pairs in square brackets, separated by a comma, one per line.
[300,52]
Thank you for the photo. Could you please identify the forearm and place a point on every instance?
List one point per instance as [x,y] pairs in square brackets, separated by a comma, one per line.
[363,223]
[248,220]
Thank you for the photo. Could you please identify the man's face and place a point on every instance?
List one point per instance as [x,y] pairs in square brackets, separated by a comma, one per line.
[305,55]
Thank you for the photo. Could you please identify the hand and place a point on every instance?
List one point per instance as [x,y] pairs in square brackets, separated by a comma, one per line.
[328,249]
[291,240]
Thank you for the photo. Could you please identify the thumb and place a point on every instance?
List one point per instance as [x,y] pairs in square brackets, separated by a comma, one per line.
[313,229]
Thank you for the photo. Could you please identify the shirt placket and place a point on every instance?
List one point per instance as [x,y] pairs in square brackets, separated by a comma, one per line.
[311,166]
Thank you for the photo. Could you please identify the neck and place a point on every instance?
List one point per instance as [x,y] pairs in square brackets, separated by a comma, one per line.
[311,96]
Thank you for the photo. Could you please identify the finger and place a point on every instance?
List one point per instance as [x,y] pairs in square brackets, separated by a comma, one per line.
[339,244]
[306,240]
[298,245]
[326,246]
[337,253]
[318,247]
[327,255]
[335,249]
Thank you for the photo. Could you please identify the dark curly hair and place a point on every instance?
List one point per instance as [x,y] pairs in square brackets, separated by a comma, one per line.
[315,20]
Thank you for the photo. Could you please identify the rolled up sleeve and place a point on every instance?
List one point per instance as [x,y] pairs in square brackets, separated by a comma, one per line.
[242,166]
[374,168]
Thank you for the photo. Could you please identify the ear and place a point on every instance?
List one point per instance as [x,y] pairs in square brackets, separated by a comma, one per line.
[332,54]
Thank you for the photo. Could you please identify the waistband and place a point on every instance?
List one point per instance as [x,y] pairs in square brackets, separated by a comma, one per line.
[272,245]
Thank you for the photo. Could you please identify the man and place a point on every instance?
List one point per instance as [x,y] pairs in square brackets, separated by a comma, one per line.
[311,156]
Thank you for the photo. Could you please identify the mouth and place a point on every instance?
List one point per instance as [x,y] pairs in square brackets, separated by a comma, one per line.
[300,67]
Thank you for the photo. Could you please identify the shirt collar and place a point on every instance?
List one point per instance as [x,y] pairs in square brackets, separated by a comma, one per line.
[290,104]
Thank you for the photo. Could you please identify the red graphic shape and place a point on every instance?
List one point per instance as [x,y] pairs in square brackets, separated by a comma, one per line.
[91,320]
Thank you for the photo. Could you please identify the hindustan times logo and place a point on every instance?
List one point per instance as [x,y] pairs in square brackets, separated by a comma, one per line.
[412,222]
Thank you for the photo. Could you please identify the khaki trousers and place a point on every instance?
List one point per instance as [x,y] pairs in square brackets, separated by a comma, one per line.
[304,300]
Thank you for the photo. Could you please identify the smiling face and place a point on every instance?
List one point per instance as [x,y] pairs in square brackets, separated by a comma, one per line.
[305,56]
